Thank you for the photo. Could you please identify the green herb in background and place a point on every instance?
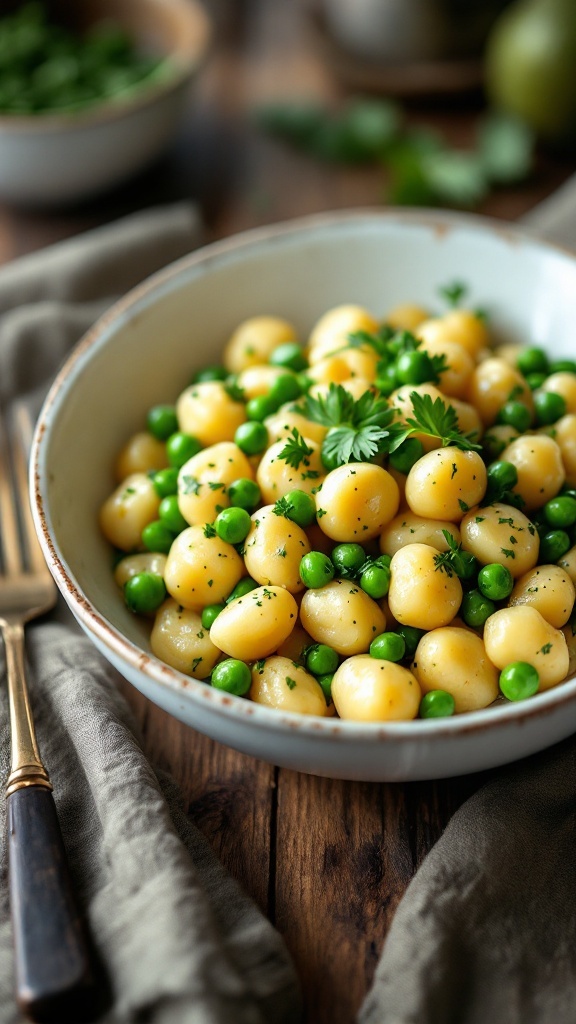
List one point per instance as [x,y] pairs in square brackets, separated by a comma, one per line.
[47,67]
[422,168]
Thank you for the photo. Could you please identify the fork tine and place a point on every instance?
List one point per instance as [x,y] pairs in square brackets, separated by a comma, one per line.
[9,536]
[24,428]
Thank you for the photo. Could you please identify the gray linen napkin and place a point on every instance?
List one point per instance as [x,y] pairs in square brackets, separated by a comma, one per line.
[486,931]
[180,942]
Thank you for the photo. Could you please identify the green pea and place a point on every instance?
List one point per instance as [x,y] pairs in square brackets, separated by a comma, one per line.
[210,373]
[171,515]
[495,581]
[290,355]
[233,676]
[437,704]
[251,437]
[316,569]
[375,581]
[300,507]
[406,455]
[322,660]
[553,545]
[532,360]
[387,381]
[243,587]
[233,524]
[476,608]
[560,512]
[156,536]
[326,684]
[519,680]
[162,421]
[414,367]
[563,366]
[516,415]
[260,407]
[210,613]
[244,493]
[535,380]
[165,481]
[144,592]
[549,407]
[180,447]
[348,559]
[412,637]
[285,389]
[388,646]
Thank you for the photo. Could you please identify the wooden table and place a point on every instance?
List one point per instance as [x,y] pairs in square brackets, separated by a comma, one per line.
[326,860]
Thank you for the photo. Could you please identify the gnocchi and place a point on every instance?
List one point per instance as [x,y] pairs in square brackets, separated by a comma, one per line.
[363,521]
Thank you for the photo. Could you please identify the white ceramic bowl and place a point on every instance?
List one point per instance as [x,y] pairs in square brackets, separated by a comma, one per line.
[144,350]
[59,159]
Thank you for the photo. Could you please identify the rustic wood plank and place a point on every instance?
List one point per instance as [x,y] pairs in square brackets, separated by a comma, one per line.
[229,796]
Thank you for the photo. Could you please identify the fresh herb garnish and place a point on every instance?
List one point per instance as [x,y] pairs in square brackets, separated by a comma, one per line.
[454,292]
[359,429]
[455,560]
[295,450]
[209,530]
[436,419]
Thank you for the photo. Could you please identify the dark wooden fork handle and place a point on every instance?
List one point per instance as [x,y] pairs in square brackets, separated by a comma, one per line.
[53,962]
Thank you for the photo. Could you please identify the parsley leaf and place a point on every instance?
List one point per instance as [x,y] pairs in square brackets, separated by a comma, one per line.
[455,560]
[359,429]
[295,450]
[436,419]
[454,292]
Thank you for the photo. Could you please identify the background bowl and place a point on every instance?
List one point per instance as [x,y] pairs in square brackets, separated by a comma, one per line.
[61,158]
[299,270]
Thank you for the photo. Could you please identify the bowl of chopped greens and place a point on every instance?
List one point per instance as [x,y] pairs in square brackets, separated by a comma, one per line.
[334,525]
[91,92]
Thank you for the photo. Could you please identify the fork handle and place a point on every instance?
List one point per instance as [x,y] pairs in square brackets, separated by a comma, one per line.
[53,974]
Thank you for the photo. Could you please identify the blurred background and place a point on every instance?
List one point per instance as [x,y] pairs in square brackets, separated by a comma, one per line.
[263,110]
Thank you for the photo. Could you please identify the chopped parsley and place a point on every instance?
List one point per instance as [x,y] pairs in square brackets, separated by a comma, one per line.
[296,451]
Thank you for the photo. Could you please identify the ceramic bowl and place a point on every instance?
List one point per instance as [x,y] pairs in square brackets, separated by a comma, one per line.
[49,159]
[298,270]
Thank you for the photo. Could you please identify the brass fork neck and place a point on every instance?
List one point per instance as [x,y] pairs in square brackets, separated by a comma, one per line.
[27,768]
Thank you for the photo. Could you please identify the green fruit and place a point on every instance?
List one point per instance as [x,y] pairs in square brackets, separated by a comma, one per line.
[530,66]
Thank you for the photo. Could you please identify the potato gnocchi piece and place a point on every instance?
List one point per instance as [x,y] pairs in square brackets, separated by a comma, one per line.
[356,501]
[549,589]
[273,550]
[257,380]
[281,684]
[276,477]
[501,533]
[346,364]
[366,689]
[141,453]
[460,325]
[490,387]
[538,462]
[254,341]
[254,626]
[564,434]
[209,413]
[332,329]
[563,384]
[145,561]
[128,510]
[282,423]
[445,483]
[179,639]
[522,634]
[201,569]
[408,528]
[421,593]
[455,660]
[568,563]
[203,479]
[342,616]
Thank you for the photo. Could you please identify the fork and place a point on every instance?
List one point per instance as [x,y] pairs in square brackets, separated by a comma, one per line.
[53,964]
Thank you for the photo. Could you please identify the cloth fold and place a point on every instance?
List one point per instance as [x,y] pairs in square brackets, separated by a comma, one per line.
[486,930]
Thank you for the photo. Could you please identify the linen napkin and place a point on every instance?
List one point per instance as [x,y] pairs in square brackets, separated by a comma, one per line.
[178,939]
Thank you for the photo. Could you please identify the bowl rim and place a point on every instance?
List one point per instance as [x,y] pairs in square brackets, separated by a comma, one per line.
[94,622]
[182,63]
